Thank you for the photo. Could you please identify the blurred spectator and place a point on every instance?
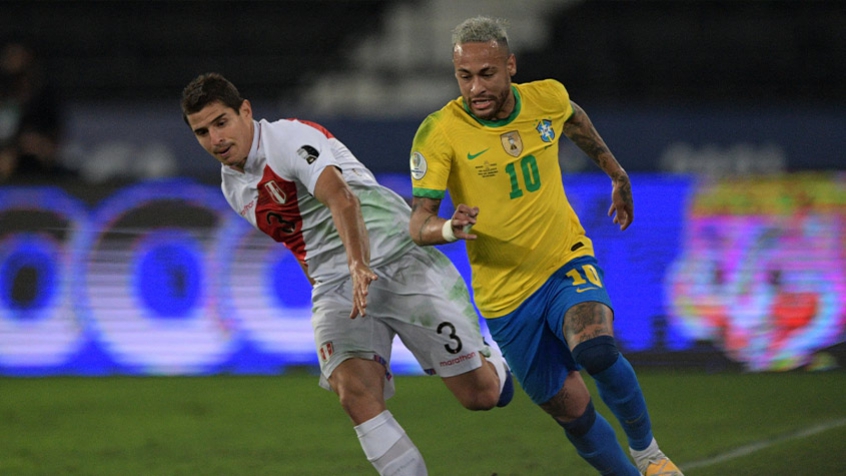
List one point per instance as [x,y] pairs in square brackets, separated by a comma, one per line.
[30,117]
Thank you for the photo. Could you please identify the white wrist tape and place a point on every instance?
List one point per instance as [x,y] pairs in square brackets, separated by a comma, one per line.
[447,232]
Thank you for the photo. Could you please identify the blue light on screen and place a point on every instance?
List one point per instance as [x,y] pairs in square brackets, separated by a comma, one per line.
[164,278]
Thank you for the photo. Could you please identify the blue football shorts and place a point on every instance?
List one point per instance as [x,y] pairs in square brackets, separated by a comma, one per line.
[532,336]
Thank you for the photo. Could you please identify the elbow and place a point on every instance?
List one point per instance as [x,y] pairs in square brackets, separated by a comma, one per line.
[416,237]
[415,231]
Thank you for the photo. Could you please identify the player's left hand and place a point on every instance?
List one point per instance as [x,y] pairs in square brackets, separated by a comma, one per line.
[622,205]
[362,276]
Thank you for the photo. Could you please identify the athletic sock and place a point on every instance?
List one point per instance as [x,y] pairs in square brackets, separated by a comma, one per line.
[595,441]
[388,448]
[506,383]
[619,389]
[642,457]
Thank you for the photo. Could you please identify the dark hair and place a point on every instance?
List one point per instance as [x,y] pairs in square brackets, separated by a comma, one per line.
[206,89]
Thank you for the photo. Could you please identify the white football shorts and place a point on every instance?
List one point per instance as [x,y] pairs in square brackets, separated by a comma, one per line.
[420,297]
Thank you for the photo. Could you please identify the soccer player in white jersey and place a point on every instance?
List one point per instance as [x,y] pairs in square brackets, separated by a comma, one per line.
[296,182]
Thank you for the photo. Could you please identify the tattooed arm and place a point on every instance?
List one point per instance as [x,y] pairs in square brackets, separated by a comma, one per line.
[579,129]
[427,228]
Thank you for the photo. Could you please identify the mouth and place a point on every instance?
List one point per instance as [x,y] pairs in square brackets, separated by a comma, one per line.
[224,153]
[480,104]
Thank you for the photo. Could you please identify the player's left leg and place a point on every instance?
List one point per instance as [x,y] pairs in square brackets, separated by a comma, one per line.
[588,330]
[430,309]
[485,387]
[588,325]
[585,317]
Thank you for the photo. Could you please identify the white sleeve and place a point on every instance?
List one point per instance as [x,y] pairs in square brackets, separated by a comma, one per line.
[298,152]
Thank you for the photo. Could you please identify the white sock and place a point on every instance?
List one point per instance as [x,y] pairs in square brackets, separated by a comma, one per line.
[388,448]
[495,357]
[642,457]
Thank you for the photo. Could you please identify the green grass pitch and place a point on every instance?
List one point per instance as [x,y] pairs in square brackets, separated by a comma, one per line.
[713,423]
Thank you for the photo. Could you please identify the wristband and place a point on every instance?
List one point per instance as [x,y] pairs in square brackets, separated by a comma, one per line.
[447,232]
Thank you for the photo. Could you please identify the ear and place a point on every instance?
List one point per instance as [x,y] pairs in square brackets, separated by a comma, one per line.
[511,64]
[247,109]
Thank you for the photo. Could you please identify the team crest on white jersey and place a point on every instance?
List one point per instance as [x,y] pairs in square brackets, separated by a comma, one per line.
[276,193]
[308,153]
[512,143]
[418,165]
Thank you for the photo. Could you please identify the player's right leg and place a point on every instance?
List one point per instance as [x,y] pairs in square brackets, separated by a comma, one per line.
[355,364]
[359,384]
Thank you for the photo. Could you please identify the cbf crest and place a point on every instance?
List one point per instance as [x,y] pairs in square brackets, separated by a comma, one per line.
[512,143]
[544,128]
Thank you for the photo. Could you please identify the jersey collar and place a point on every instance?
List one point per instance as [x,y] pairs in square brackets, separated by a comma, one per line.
[518,103]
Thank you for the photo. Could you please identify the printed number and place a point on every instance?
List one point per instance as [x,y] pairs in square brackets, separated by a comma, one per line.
[531,176]
[452,336]
[589,272]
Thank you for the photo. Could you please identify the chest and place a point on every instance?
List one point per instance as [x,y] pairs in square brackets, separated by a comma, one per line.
[511,160]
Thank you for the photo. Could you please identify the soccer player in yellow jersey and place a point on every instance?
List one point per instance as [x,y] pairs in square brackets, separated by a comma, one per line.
[535,277]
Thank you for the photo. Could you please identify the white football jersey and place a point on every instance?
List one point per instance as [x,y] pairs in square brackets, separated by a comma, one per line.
[275,194]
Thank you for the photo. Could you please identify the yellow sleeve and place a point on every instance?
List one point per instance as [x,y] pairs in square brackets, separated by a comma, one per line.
[559,91]
[431,159]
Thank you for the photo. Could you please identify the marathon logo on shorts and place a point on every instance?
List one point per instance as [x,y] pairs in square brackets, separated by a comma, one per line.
[458,360]
[276,192]
[326,350]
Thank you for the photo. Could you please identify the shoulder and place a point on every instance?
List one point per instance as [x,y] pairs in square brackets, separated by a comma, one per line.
[286,136]
[545,97]
[292,127]
[440,122]
[544,87]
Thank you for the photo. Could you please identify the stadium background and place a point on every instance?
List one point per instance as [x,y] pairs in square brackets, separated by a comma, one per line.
[729,116]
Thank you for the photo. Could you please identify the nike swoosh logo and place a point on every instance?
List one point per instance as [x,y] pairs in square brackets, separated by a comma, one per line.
[581,290]
[473,156]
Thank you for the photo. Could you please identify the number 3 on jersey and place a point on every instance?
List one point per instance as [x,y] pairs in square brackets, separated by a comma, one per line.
[530,174]
[588,273]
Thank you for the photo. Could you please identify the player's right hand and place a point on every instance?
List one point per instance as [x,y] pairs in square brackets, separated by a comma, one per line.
[362,276]
[463,220]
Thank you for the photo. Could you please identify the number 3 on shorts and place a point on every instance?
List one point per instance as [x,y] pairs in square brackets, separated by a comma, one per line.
[452,335]
[589,272]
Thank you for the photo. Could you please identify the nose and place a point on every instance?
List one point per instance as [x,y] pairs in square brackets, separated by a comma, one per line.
[216,136]
[476,85]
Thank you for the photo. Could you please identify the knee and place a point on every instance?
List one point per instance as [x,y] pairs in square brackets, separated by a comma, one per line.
[358,393]
[480,399]
[581,424]
[596,354]
[352,395]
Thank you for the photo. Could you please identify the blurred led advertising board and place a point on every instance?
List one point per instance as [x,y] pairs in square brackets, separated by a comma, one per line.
[163,278]
[762,269]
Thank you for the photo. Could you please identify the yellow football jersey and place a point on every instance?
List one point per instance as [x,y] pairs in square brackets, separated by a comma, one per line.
[509,169]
